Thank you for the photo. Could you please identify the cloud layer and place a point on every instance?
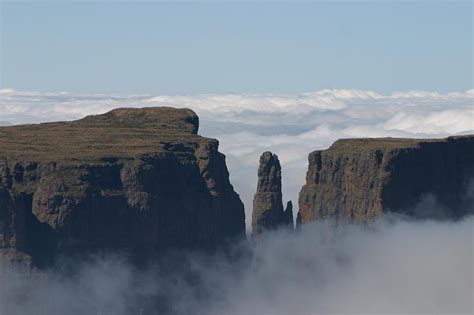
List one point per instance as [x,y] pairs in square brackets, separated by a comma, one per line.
[289,125]
[393,267]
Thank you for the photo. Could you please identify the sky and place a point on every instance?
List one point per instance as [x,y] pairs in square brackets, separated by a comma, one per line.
[253,47]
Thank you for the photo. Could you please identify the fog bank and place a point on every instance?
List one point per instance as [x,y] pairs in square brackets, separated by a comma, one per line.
[392,266]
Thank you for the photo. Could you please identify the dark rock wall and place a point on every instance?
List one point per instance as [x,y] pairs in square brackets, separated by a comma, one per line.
[177,198]
[356,180]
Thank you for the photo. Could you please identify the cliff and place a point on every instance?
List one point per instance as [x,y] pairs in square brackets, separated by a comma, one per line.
[359,179]
[268,210]
[131,179]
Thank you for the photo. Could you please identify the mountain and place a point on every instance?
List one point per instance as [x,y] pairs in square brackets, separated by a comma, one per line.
[356,180]
[138,180]
[143,181]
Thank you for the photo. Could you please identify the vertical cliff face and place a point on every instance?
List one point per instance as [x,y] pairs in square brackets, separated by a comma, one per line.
[132,179]
[358,179]
[268,210]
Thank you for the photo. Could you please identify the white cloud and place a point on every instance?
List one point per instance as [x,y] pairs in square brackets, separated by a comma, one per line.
[289,125]
[7,91]
[450,121]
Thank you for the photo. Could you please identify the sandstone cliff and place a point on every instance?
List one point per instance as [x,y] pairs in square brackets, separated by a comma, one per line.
[131,179]
[358,179]
[268,210]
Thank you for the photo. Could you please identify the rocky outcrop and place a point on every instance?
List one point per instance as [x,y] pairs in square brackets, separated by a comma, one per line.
[137,180]
[268,210]
[288,214]
[359,179]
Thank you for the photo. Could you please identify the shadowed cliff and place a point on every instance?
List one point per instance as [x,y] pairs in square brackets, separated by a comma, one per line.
[139,180]
[355,180]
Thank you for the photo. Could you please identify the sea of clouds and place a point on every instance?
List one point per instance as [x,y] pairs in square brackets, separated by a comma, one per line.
[289,125]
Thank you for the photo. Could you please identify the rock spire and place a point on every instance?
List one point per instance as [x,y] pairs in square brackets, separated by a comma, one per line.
[268,212]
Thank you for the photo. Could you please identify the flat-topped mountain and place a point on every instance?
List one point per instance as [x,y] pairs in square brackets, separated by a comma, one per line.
[358,179]
[130,179]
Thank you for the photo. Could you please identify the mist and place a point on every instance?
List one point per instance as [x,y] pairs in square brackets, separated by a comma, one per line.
[394,265]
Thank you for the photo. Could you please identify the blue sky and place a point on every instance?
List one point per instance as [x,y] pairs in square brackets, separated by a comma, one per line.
[189,48]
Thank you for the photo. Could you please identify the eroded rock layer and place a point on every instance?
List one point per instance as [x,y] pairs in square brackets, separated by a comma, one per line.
[130,179]
[358,179]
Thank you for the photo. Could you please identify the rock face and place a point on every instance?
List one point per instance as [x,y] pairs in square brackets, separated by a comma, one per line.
[358,179]
[130,179]
[288,214]
[268,210]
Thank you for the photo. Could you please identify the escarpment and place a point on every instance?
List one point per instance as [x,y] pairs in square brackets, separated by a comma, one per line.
[268,210]
[356,180]
[131,179]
